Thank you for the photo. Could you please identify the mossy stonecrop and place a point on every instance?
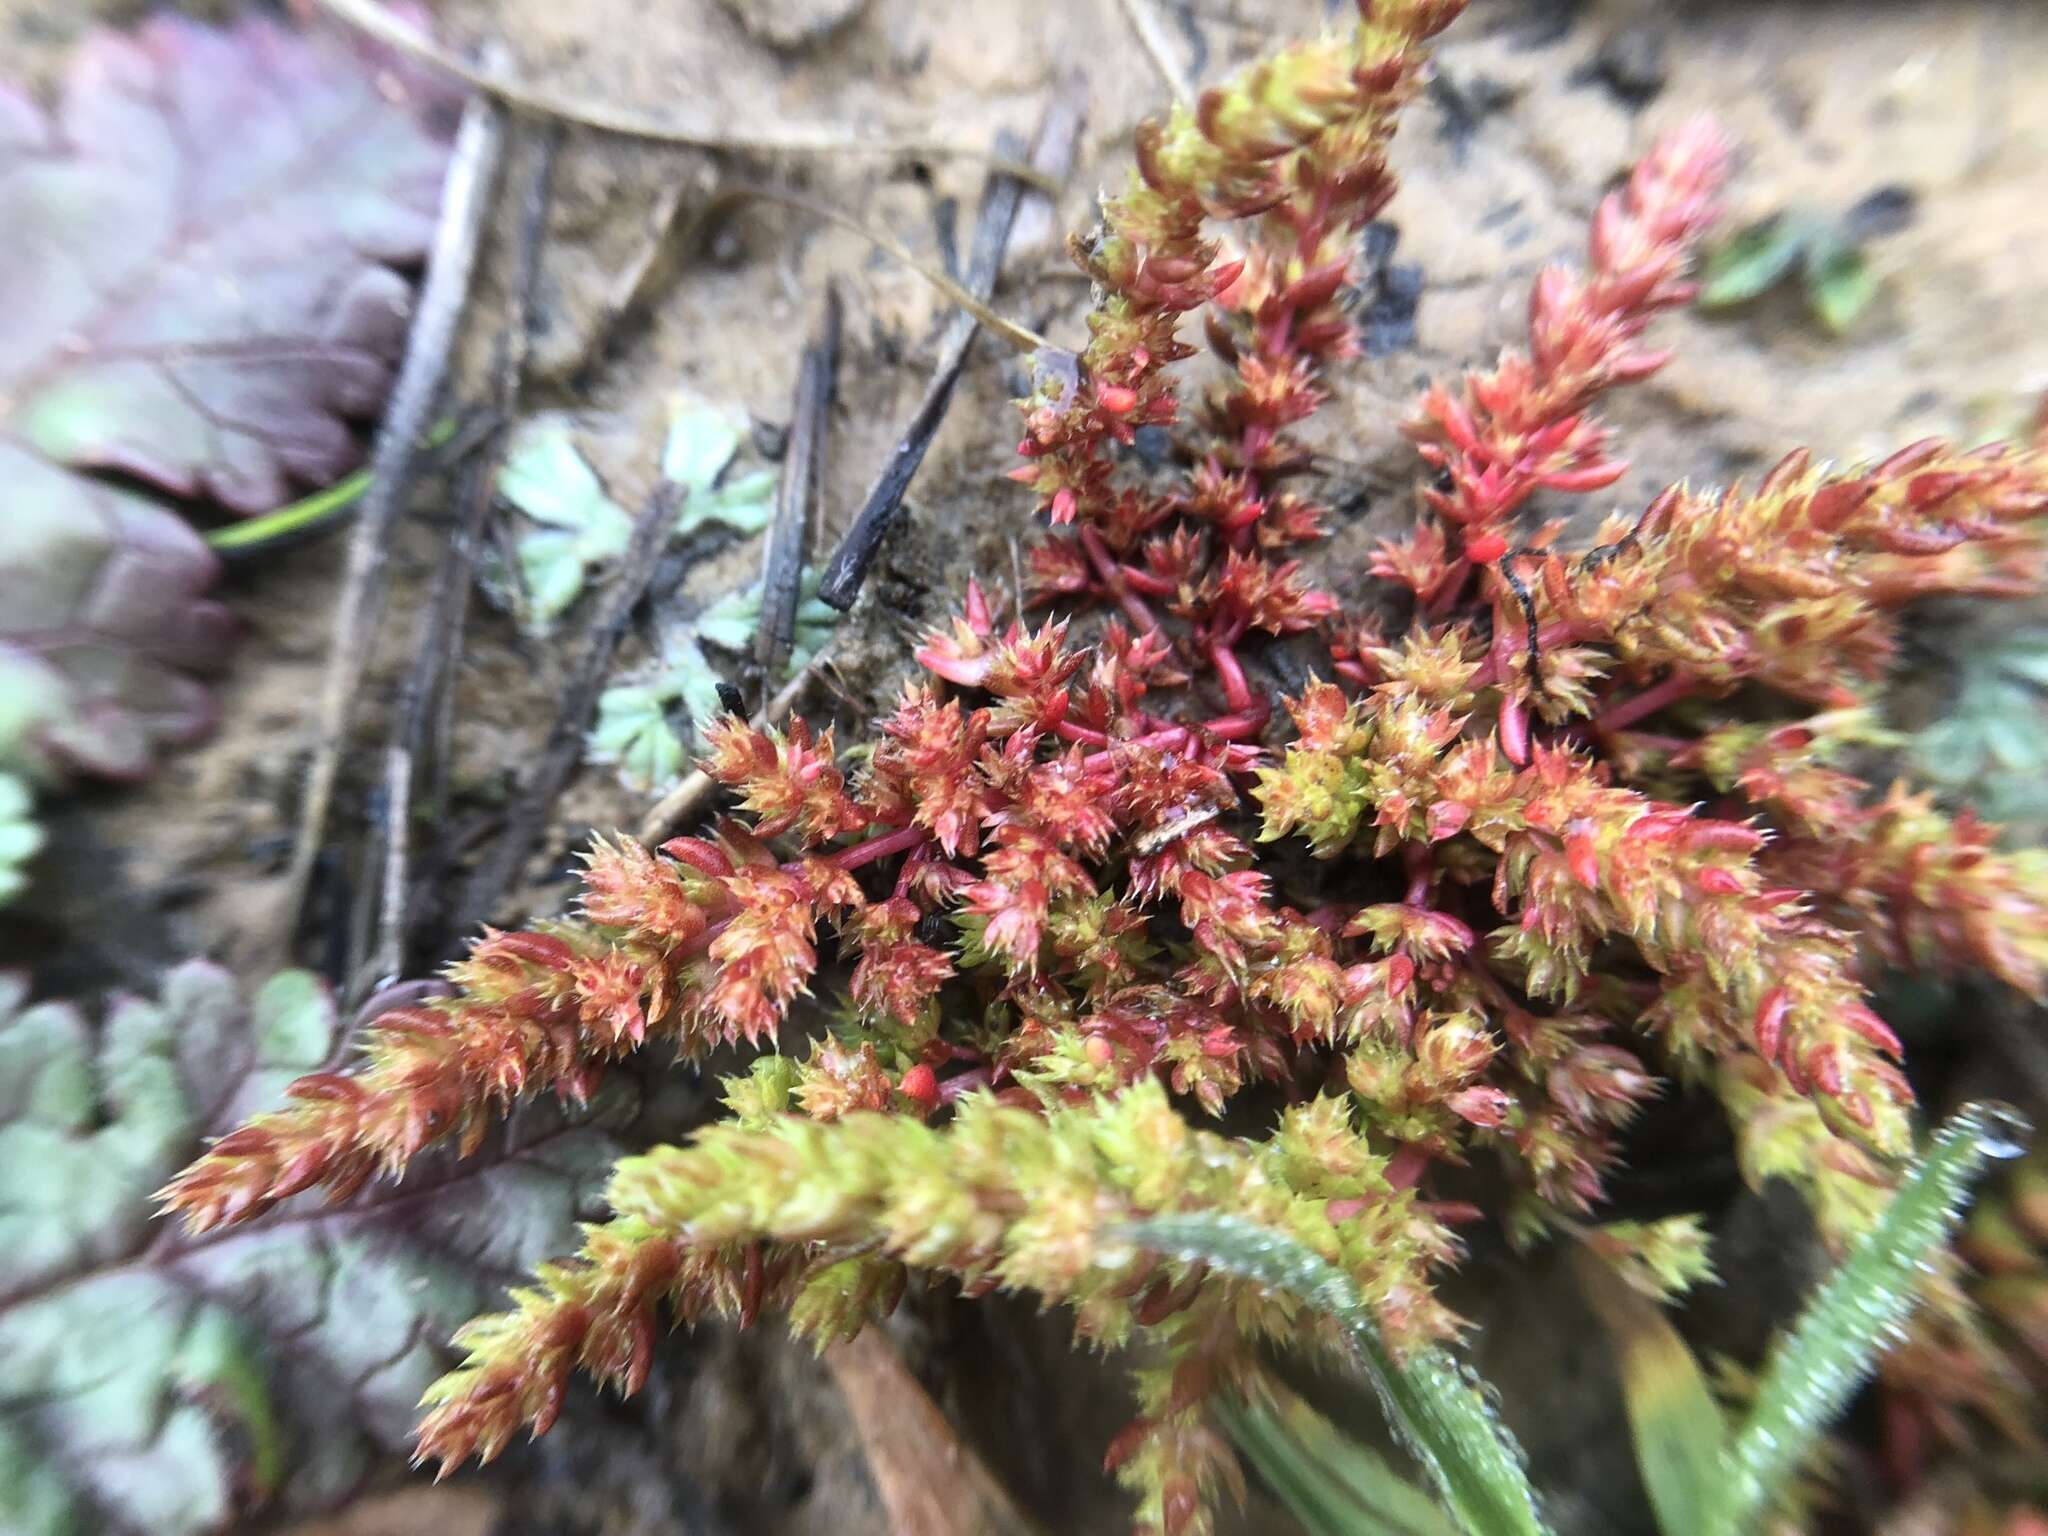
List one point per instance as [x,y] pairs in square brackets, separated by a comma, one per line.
[1549,899]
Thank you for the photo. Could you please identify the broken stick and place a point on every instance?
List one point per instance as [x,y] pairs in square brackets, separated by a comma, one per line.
[1052,153]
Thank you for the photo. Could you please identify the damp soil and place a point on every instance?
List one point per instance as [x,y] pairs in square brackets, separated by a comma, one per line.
[1538,107]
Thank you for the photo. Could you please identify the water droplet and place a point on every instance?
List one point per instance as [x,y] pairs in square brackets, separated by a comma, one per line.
[2005,1130]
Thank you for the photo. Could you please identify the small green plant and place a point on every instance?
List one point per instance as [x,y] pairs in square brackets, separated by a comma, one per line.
[1826,255]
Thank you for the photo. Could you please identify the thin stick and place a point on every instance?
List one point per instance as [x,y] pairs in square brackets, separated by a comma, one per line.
[1145,23]
[1058,133]
[564,746]
[906,1437]
[788,546]
[791,139]
[515,345]
[465,202]
[681,803]
[1017,334]
[424,708]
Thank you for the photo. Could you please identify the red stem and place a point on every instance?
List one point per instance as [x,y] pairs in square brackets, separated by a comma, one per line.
[1237,693]
[1406,1167]
[879,847]
[1111,575]
[1658,696]
[1448,590]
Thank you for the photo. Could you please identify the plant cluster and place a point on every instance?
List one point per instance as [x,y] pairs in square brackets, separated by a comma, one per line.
[1557,829]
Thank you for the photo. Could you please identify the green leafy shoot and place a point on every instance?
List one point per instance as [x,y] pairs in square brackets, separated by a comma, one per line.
[1827,254]
[1752,261]
[1679,1433]
[1839,281]
[636,731]
[1433,1404]
[1992,744]
[1329,1482]
[1815,1368]
[549,480]
[701,442]
[309,514]
[730,622]
[20,836]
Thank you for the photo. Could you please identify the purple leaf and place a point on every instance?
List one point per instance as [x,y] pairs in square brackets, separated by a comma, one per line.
[203,247]
[261,1371]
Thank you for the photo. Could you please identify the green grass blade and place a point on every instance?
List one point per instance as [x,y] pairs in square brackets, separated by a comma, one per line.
[307,514]
[1433,1404]
[1814,1369]
[1329,1482]
[1677,1429]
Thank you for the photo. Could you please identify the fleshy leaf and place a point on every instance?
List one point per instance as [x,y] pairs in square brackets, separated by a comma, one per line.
[258,1372]
[546,477]
[20,836]
[1431,1402]
[203,245]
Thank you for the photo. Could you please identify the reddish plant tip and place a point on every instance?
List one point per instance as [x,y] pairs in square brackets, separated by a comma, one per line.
[921,1086]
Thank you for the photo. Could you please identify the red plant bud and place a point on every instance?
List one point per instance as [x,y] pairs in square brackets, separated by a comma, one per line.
[1833,505]
[541,949]
[707,858]
[979,619]
[1484,1107]
[1582,853]
[1784,472]
[1771,1009]
[1716,881]
[1485,548]
[1116,399]
[1514,730]
[1924,492]
[1824,1066]
[1868,1026]
[1447,818]
[921,1085]
[1596,476]
[1125,1444]
[1064,505]
[1317,287]
[1909,458]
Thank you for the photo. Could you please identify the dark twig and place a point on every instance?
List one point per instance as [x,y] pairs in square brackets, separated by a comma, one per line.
[564,746]
[465,204]
[425,707]
[681,803]
[1052,153]
[515,343]
[788,546]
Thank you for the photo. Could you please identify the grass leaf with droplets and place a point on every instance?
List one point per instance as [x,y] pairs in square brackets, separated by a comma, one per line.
[1329,1482]
[1432,1402]
[1815,1368]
